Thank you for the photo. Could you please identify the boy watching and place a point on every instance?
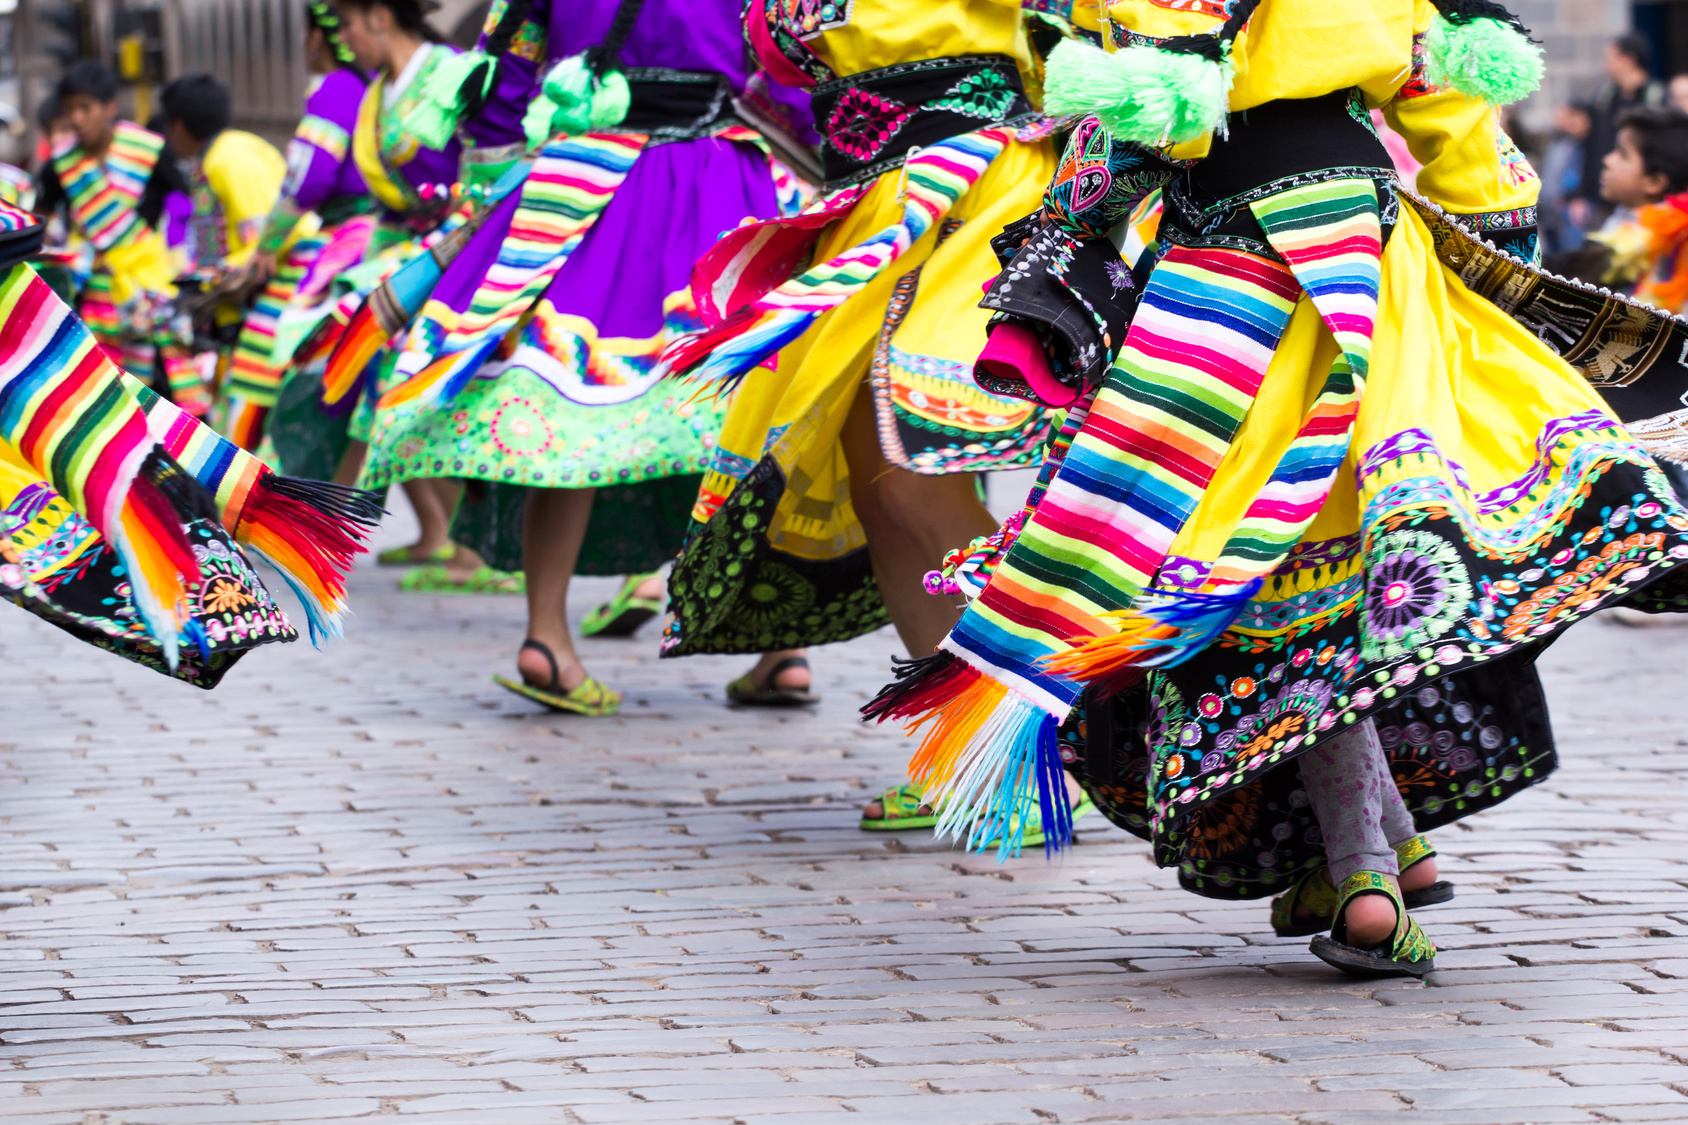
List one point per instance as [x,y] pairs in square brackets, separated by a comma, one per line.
[1645,177]
[110,178]
[235,176]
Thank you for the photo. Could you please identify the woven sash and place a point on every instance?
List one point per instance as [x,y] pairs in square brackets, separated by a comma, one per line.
[105,196]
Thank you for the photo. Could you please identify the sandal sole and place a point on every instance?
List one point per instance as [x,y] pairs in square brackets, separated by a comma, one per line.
[1367,964]
[898,824]
[553,702]
[623,624]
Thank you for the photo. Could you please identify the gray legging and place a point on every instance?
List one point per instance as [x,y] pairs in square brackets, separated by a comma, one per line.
[1361,814]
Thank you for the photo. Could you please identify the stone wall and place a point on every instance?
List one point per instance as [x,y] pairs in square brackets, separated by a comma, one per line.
[1574,33]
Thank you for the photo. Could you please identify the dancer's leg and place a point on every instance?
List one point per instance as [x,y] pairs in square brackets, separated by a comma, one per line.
[1346,778]
[351,463]
[553,528]
[1398,825]
[911,521]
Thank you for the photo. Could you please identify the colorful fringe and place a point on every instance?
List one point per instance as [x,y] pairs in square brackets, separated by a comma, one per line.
[1074,598]
[757,307]
[572,181]
[310,531]
[65,409]
[134,465]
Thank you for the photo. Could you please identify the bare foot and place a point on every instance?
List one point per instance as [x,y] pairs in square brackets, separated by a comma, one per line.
[655,589]
[789,679]
[536,670]
[1420,875]
[1371,920]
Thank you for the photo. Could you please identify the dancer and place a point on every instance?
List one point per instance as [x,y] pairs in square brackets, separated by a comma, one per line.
[413,183]
[297,257]
[846,463]
[534,362]
[126,522]
[1294,552]
[109,177]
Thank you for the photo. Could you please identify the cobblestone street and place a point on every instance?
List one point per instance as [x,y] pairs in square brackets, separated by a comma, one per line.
[368,881]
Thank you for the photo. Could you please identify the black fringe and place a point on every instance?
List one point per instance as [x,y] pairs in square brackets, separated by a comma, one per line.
[184,491]
[907,676]
[339,500]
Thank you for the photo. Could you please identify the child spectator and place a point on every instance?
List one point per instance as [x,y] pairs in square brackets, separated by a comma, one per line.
[1645,178]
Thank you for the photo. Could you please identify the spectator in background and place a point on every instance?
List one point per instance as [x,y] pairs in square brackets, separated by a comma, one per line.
[1677,93]
[235,176]
[1645,177]
[1631,86]
[1561,176]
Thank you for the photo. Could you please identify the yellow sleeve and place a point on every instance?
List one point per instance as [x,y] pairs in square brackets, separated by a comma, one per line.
[1470,165]
[245,174]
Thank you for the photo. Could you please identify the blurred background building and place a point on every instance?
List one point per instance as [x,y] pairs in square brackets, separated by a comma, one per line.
[254,46]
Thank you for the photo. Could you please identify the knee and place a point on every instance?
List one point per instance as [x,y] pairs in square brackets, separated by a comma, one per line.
[895,497]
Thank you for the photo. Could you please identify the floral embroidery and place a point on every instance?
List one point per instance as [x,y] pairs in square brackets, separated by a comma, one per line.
[805,19]
[1416,590]
[985,94]
[862,123]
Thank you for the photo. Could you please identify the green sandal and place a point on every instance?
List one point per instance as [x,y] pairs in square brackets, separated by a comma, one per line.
[900,807]
[401,556]
[1035,836]
[622,615]
[1315,895]
[589,697]
[1407,953]
[437,579]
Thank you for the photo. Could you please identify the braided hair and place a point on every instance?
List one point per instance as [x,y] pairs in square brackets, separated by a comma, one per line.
[322,15]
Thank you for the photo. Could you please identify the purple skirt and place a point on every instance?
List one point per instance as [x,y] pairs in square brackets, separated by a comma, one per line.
[675,202]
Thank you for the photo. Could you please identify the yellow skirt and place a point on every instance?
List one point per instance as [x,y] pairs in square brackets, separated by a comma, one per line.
[915,331]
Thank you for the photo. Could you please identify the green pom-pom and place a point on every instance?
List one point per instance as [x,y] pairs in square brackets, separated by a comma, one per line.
[439,106]
[574,100]
[1142,94]
[1482,58]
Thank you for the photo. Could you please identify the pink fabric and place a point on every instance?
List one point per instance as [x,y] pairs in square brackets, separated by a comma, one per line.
[1013,353]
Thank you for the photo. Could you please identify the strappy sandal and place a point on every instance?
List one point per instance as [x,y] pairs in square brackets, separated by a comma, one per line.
[437,579]
[401,556]
[1317,899]
[1407,953]
[900,808]
[746,692]
[622,615]
[589,697]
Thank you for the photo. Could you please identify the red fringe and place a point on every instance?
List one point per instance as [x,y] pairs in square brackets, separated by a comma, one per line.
[688,351]
[164,523]
[329,543]
[921,686]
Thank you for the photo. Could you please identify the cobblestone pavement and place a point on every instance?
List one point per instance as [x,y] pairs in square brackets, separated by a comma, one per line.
[366,881]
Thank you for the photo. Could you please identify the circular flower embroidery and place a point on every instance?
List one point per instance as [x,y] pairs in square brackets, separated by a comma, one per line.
[520,430]
[1416,590]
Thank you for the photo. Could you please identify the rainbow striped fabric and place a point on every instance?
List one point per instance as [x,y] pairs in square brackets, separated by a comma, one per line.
[572,181]
[765,307]
[105,196]
[136,466]
[1086,592]
[66,410]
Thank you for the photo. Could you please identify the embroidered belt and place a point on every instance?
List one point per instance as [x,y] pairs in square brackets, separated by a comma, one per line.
[873,119]
[676,105]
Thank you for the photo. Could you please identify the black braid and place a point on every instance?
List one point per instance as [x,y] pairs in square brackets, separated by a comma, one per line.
[471,96]
[603,58]
[1461,12]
